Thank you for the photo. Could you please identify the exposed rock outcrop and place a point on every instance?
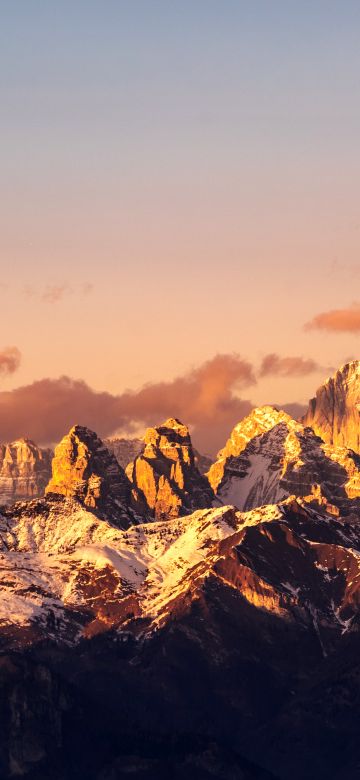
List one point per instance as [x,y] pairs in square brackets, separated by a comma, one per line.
[334,413]
[269,456]
[126,450]
[25,470]
[84,469]
[165,480]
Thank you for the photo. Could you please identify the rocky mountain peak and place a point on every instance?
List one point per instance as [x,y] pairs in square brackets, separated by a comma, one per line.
[84,469]
[171,439]
[166,482]
[270,456]
[259,421]
[25,470]
[334,413]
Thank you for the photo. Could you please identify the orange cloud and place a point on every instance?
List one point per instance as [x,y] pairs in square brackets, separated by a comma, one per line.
[205,398]
[337,320]
[10,359]
[274,365]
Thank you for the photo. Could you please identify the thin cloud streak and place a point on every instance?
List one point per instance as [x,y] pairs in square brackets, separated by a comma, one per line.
[274,365]
[55,293]
[337,320]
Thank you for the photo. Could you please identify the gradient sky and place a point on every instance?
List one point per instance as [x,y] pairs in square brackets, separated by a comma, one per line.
[178,179]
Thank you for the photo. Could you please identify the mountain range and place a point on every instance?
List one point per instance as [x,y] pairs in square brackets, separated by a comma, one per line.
[157,621]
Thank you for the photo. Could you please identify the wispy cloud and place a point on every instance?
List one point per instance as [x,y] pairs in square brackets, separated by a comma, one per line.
[337,320]
[274,365]
[55,293]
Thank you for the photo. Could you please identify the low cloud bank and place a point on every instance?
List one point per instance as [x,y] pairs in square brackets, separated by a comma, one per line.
[208,398]
[204,398]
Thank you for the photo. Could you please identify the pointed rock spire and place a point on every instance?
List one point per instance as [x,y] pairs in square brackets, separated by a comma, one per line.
[84,469]
[165,480]
[334,413]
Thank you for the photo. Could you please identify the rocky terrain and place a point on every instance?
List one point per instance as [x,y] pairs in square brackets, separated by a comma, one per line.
[269,456]
[84,469]
[126,450]
[334,413]
[153,626]
[25,470]
[165,480]
[136,632]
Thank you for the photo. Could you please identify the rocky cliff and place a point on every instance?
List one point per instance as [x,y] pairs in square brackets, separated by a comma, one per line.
[334,413]
[84,469]
[269,456]
[126,450]
[165,480]
[25,470]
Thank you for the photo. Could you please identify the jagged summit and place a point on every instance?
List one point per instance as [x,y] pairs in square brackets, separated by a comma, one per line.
[127,449]
[334,413]
[165,480]
[269,456]
[25,470]
[119,611]
[260,420]
[83,468]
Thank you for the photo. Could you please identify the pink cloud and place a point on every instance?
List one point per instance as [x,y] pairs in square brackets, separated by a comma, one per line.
[205,398]
[274,365]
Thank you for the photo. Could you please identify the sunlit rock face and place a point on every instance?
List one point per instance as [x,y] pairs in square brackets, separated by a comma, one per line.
[25,470]
[270,456]
[126,450]
[84,469]
[334,413]
[165,480]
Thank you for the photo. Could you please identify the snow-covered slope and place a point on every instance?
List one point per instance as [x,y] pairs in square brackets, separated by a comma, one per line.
[57,557]
[67,574]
